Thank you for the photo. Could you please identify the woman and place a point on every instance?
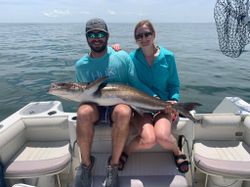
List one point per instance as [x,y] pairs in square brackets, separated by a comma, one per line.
[156,68]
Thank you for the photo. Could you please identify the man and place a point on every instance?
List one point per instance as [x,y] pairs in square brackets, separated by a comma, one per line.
[103,61]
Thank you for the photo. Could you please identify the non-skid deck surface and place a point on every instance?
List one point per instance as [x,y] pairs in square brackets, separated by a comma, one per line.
[143,170]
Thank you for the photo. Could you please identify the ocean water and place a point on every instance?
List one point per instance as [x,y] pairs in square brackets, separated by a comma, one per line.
[34,55]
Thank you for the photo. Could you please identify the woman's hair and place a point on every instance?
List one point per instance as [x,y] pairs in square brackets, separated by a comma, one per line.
[144,22]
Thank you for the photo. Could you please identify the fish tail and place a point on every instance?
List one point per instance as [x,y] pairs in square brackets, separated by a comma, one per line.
[189,106]
[185,108]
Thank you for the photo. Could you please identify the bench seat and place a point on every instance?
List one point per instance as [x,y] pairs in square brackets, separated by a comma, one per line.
[225,158]
[35,159]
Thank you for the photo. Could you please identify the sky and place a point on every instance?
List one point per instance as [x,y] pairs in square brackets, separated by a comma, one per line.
[114,11]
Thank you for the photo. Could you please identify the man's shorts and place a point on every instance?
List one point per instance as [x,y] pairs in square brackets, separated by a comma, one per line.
[105,113]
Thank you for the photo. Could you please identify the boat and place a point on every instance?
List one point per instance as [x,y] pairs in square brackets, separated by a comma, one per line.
[38,149]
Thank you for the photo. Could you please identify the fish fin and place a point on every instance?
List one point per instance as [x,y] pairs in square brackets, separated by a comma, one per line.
[187,114]
[137,110]
[185,108]
[65,98]
[98,92]
[94,87]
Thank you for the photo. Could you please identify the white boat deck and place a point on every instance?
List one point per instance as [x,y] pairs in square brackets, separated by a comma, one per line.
[218,144]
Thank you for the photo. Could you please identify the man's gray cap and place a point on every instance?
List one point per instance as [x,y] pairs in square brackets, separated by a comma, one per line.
[96,24]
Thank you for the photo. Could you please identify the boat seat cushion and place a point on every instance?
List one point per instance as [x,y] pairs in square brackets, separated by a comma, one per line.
[22,185]
[226,158]
[39,158]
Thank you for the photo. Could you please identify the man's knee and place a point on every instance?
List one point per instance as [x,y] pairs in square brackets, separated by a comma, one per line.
[121,112]
[88,113]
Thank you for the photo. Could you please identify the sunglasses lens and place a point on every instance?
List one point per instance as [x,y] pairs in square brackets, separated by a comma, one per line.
[94,35]
[140,35]
[101,34]
[91,35]
[147,34]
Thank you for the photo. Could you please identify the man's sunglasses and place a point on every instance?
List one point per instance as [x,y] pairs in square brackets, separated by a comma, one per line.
[145,34]
[94,35]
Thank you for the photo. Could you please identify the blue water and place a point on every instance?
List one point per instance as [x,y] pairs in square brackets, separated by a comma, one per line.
[34,55]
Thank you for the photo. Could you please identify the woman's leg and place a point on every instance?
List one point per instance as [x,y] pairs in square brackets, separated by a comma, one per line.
[145,138]
[165,138]
[164,135]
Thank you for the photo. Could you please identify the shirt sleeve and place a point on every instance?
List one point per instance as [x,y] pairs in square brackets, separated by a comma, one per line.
[79,75]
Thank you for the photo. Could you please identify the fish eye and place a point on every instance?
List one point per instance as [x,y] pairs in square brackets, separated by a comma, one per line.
[75,87]
[62,84]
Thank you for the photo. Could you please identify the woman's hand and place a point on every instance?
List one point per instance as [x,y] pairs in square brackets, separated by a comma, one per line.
[170,110]
[116,47]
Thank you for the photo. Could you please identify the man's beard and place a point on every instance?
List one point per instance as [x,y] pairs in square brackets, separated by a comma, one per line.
[99,49]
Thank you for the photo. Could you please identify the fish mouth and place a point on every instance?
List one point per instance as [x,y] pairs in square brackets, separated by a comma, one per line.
[53,86]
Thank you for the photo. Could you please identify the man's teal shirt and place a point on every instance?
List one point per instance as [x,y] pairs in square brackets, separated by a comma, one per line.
[118,66]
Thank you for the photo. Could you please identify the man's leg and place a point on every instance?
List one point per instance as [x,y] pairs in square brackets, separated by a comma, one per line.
[120,129]
[87,115]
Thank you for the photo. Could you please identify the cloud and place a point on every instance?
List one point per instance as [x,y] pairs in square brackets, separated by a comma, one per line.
[85,12]
[140,14]
[111,12]
[56,13]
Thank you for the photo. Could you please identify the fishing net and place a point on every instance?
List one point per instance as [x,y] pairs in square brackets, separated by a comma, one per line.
[233,26]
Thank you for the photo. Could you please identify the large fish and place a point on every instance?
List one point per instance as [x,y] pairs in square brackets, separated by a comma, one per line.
[112,94]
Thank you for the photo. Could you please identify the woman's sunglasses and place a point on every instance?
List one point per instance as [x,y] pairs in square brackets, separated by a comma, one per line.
[145,34]
[95,35]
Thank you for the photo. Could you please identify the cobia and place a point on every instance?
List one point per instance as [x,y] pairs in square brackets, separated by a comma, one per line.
[112,94]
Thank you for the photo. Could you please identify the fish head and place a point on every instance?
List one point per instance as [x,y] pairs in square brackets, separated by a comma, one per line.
[70,91]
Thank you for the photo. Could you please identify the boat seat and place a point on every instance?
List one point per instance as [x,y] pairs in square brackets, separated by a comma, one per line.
[35,159]
[22,185]
[225,158]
